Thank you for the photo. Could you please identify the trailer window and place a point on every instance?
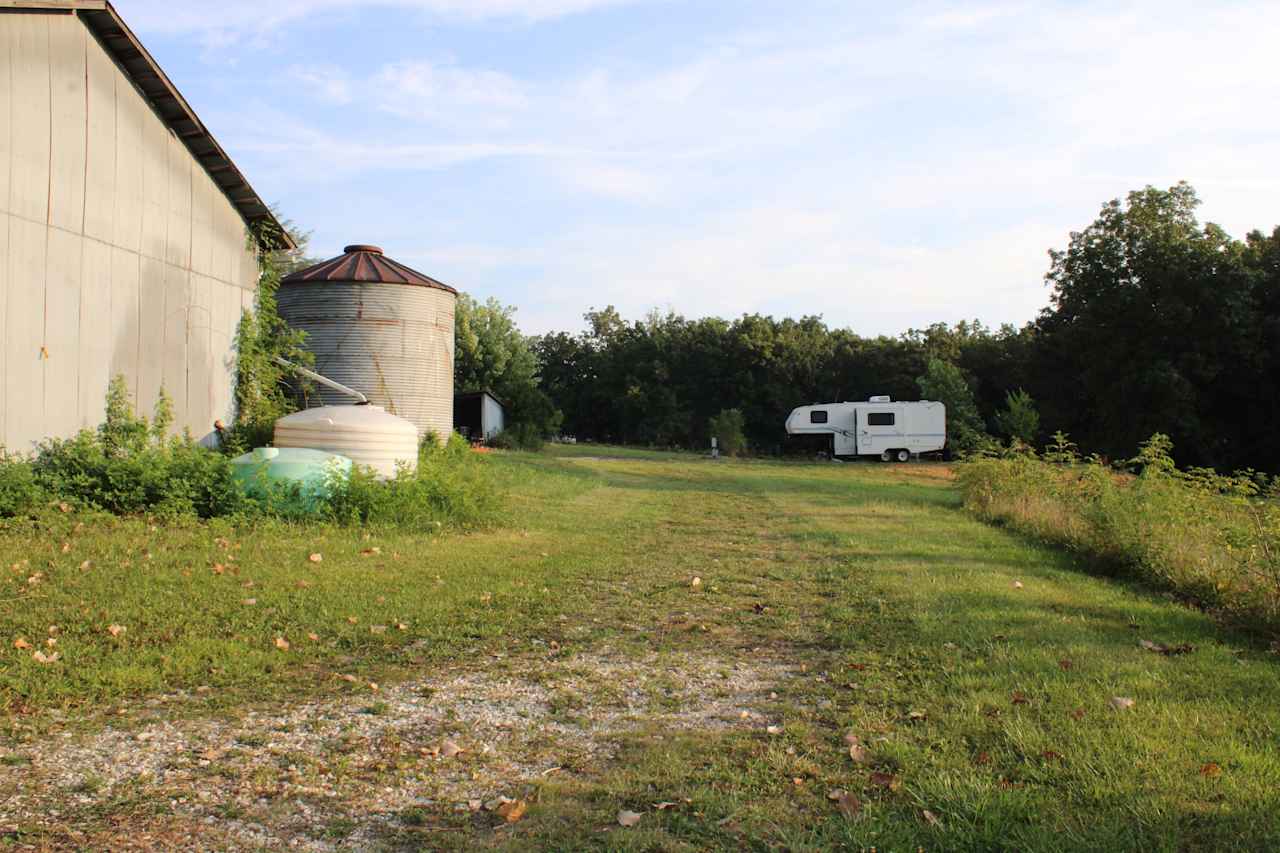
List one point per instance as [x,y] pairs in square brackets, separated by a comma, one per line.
[879,418]
[818,417]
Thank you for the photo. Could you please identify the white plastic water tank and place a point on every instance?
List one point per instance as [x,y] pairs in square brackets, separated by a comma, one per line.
[367,435]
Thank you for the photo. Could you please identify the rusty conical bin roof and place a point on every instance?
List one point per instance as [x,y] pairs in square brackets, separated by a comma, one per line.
[365,264]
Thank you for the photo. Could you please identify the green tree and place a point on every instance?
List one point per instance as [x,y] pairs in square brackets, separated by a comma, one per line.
[943,381]
[726,428]
[1019,419]
[490,353]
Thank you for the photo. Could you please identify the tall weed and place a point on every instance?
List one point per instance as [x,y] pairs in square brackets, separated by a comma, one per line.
[1209,537]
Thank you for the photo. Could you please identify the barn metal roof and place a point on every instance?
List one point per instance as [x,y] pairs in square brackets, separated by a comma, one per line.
[361,262]
[151,82]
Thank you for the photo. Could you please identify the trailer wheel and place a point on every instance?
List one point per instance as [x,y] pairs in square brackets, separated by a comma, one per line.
[886,455]
[904,455]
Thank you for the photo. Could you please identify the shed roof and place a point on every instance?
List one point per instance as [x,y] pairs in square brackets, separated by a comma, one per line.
[158,90]
[363,263]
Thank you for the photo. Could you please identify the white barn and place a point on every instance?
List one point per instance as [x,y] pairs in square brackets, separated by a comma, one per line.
[123,243]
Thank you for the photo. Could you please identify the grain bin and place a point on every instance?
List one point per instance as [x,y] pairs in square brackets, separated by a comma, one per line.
[380,327]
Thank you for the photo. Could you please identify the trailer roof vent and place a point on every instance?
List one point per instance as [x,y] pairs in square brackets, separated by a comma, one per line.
[882,398]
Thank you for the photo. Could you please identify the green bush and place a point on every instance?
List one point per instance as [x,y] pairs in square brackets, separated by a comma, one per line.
[19,489]
[128,465]
[1212,538]
[450,488]
[728,428]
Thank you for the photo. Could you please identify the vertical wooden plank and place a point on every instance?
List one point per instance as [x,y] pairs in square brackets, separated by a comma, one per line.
[178,232]
[128,214]
[6,141]
[97,342]
[29,70]
[5,443]
[67,90]
[155,187]
[200,356]
[225,353]
[151,329]
[100,160]
[124,318]
[219,256]
[173,373]
[62,333]
[201,227]
[24,329]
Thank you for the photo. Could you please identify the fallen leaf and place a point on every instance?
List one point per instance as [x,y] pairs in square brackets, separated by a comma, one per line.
[858,666]
[1121,703]
[774,730]
[315,558]
[64,507]
[21,644]
[628,818]
[313,637]
[217,568]
[350,678]
[282,644]
[1017,584]
[856,750]
[247,584]
[401,626]
[353,620]
[51,642]
[916,715]
[849,805]
[696,582]
[475,805]
[982,758]
[1211,770]
[41,657]
[250,601]
[513,810]
[1078,714]
[886,780]
[1019,698]
[66,546]
[449,749]
[86,565]
[663,806]
[797,781]
[1065,664]
[303,584]
[930,818]
[1051,755]
[369,552]
[377,629]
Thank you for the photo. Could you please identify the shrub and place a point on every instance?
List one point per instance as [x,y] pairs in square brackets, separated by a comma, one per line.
[128,465]
[451,487]
[1018,420]
[19,490]
[1209,537]
[728,428]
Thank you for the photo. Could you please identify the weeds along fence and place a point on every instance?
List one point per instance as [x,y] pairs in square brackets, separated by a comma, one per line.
[1208,537]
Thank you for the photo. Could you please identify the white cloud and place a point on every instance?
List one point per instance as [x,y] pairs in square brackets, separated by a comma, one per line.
[327,83]
[884,176]
[229,23]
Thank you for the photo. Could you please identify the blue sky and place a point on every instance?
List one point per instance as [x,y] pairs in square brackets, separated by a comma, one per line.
[883,165]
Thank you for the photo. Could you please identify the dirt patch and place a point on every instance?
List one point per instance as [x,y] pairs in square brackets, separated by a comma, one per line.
[336,773]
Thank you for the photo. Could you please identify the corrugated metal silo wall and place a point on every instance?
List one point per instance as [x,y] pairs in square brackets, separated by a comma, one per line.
[392,342]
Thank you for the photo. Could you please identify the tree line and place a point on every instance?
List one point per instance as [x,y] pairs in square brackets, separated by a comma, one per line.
[1155,323]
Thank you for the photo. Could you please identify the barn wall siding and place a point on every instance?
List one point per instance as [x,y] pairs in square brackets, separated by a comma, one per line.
[118,252]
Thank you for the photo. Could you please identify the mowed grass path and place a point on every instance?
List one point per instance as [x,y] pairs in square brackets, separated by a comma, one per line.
[977,669]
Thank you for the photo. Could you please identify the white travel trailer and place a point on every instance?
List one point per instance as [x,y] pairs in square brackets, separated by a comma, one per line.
[878,427]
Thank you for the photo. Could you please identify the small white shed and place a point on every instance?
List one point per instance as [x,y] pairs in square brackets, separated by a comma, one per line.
[479,415]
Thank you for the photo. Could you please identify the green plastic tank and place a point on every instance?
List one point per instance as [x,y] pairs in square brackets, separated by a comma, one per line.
[290,474]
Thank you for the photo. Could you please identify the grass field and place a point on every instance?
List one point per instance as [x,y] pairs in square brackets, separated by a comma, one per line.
[394,694]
